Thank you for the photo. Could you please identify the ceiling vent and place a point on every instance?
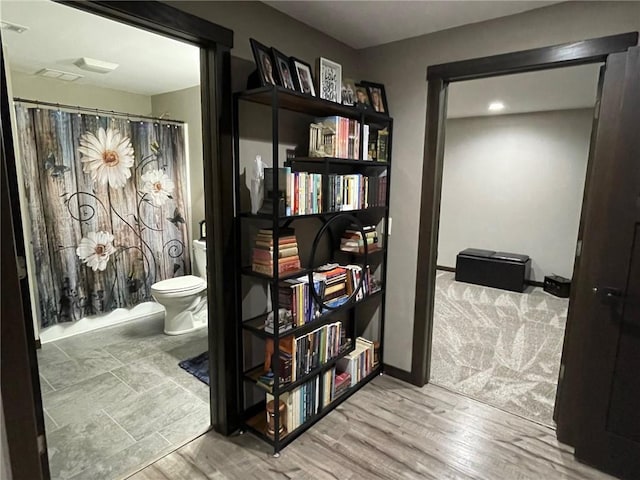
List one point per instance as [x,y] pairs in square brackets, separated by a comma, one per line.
[13,27]
[93,65]
[59,74]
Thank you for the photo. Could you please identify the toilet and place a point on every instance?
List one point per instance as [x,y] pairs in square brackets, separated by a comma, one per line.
[185,298]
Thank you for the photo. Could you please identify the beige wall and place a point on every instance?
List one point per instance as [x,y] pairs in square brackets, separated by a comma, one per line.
[514,183]
[402,66]
[31,87]
[185,105]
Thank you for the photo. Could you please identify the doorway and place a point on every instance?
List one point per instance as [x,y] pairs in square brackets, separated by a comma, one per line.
[595,441]
[86,353]
[515,162]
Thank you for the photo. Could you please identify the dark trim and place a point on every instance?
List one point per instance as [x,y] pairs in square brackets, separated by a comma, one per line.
[535,283]
[439,76]
[158,17]
[446,269]
[564,55]
[19,379]
[397,373]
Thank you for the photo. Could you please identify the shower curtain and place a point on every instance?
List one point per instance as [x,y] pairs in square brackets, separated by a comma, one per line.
[107,199]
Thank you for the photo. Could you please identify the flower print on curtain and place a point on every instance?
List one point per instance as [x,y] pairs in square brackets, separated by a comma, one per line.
[108,208]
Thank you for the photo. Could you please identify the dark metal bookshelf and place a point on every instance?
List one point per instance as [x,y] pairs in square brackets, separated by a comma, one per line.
[280,100]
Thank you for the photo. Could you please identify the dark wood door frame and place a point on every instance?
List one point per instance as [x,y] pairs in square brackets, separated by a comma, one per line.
[215,43]
[439,76]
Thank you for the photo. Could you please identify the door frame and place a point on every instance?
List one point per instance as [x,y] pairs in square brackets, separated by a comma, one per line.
[215,43]
[438,77]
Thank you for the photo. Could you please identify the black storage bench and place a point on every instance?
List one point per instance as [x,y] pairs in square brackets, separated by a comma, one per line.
[508,271]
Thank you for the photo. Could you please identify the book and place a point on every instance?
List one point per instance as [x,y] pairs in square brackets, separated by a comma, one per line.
[383,145]
[334,136]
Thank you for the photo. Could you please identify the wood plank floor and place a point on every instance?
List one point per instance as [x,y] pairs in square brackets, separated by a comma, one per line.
[388,430]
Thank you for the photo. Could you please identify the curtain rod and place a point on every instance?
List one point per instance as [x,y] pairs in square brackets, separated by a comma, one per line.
[97,111]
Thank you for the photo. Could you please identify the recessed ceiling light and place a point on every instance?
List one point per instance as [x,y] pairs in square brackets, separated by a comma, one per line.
[59,74]
[93,65]
[496,106]
[13,27]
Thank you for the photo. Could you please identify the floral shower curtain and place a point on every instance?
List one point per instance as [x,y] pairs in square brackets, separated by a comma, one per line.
[108,209]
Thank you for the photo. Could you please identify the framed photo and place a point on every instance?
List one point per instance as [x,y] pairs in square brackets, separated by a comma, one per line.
[348,92]
[329,80]
[302,76]
[362,97]
[265,63]
[283,67]
[377,96]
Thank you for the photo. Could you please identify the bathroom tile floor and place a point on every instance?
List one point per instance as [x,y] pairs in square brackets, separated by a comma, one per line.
[116,398]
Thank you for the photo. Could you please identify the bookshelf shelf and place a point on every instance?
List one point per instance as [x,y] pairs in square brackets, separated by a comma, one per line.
[304,184]
[256,324]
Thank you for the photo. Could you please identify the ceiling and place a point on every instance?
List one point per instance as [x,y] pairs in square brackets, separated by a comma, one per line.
[558,89]
[362,24]
[58,35]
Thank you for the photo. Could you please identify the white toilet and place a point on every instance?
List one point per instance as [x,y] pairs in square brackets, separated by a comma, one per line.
[185,298]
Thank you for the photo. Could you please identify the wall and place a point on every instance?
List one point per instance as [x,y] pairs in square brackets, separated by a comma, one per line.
[185,105]
[514,183]
[401,67]
[32,87]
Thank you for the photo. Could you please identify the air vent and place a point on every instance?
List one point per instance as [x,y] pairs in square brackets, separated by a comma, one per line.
[59,74]
[93,65]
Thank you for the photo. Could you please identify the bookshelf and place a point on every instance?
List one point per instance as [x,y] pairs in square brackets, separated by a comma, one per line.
[334,335]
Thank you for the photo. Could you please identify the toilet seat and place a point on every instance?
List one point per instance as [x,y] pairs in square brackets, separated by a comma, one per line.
[186,285]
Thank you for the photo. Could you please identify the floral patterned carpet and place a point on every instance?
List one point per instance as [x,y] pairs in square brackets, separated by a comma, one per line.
[499,347]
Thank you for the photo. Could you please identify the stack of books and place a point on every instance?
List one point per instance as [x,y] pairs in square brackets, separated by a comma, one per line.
[359,363]
[334,385]
[264,250]
[336,137]
[301,404]
[335,286]
[355,192]
[353,242]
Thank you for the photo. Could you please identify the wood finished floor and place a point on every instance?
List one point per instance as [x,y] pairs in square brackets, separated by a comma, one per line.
[388,430]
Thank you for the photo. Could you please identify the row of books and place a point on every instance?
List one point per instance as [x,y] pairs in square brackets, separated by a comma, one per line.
[378,145]
[301,404]
[334,384]
[335,136]
[264,251]
[359,363]
[353,242]
[298,193]
[355,192]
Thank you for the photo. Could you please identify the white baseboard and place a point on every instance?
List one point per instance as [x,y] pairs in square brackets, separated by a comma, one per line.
[88,324]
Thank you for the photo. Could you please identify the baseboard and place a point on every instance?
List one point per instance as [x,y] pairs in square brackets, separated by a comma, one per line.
[533,283]
[398,373]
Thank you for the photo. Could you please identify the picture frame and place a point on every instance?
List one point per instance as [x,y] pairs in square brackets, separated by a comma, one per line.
[302,76]
[348,92]
[283,68]
[329,77]
[362,97]
[265,63]
[377,97]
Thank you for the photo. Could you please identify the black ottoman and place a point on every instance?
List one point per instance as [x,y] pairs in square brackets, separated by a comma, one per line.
[508,271]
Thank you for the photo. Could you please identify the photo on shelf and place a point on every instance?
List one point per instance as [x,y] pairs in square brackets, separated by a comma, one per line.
[377,96]
[264,63]
[302,76]
[283,67]
[362,97]
[329,80]
[348,92]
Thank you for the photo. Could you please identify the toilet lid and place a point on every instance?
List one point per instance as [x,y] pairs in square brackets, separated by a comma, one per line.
[179,284]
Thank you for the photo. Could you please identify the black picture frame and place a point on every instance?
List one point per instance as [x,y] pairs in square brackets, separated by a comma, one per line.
[374,89]
[283,69]
[349,97]
[302,76]
[363,101]
[264,61]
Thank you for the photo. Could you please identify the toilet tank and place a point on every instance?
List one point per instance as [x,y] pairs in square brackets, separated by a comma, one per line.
[200,255]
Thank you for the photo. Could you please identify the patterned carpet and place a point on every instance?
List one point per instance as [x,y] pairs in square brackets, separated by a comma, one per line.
[499,347]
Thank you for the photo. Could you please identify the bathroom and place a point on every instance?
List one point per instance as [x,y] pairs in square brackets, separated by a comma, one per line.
[109,157]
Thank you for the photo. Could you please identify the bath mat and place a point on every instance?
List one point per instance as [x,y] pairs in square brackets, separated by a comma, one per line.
[197,366]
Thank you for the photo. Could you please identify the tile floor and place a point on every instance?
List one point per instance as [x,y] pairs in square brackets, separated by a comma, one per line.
[116,398]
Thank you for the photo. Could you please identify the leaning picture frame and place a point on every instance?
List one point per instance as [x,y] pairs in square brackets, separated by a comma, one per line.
[302,76]
[329,78]
[283,68]
[377,96]
[264,63]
